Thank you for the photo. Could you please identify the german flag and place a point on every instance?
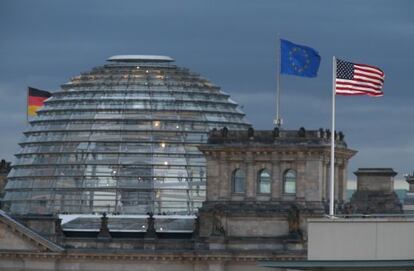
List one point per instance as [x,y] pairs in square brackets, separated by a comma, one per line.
[35,100]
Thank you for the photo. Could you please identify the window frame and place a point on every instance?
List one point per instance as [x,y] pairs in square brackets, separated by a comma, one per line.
[259,181]
[234,178]
[286,180]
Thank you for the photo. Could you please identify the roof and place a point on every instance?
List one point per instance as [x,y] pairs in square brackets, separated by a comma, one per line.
[273,138]
[342,265]
[30,234]
[375,171]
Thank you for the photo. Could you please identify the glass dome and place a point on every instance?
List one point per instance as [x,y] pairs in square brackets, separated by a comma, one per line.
[121,139]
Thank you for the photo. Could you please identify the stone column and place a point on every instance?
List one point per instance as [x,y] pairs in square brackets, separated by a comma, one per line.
[327,177]
[300,179]
[341,182]
[283,167]
[276,179]
[313,179]
[224,177]
[321,176]
[213,186]
[250,176]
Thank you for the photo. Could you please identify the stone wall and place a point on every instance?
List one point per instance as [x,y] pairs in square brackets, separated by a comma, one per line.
[5,168]
[308,156]
[375,192]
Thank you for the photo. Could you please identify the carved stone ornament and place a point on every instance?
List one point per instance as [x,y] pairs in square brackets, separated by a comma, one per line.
[151,233]
[293,219]
[104,230]
[218,229]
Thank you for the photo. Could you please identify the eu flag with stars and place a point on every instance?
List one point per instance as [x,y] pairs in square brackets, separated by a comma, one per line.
[298,59]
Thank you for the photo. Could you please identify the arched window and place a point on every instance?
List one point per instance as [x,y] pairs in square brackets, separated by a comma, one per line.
[289,182]
[263,181]
[239,181]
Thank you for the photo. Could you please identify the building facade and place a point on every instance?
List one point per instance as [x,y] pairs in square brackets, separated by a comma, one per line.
[262,186]
[409,198]
[5,168]
[258,179]
[375,192]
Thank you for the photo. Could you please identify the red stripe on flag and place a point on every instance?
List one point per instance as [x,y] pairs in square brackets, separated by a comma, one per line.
[370,70]
[372,67]
[39,101]
[356,90]
[368,81]
[350,94]
[368,76]
[358,94]
[358,85]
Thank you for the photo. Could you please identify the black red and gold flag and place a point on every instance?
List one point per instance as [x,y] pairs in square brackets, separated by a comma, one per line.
[35,100]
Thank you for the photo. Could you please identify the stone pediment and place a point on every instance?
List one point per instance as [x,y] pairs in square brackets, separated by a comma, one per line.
[14,236]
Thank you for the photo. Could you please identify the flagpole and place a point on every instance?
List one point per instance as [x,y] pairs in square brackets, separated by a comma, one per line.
[332,181]
[278,120]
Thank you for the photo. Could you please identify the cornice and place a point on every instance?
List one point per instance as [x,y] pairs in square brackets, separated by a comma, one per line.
[179,256]
[225,152]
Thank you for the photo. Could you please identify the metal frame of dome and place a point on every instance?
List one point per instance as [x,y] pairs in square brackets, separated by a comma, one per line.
[122,139]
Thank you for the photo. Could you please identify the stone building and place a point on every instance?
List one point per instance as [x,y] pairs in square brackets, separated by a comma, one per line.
[5,168]
[409,197]
[267,183]
[375,192]
[261,187]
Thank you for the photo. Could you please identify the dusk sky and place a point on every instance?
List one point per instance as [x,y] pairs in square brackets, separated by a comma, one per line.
[233,44]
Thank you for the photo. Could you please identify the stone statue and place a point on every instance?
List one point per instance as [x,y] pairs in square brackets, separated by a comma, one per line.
[218,229]
[321,133]
[302,132]
[328,133]
[58,227]
[250,133]
[151,233]
[276,132]
[293,219]
[104,230]
[224,132]
[196,226]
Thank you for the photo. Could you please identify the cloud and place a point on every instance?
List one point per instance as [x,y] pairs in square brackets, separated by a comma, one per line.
[232,43]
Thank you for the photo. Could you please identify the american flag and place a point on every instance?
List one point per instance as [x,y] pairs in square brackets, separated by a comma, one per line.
[358,79]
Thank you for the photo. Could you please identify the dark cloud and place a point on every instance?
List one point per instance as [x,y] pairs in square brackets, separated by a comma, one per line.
[233,44]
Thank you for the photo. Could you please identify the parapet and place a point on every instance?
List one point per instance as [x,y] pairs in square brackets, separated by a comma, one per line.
[276,136]
[375,179]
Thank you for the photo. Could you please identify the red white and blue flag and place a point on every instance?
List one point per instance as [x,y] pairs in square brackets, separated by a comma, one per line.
[358,79]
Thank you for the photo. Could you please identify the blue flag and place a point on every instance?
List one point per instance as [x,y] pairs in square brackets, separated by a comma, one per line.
[298,59]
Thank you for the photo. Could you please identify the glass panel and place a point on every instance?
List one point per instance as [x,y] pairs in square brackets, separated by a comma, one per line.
[122,139]
[239,179]
[43,183]
[290,182]
[264,181]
